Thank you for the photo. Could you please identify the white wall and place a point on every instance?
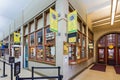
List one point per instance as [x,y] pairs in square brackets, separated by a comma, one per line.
[35,7]
[80,8]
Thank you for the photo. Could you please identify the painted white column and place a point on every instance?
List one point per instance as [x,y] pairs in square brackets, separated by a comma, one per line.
[62,9]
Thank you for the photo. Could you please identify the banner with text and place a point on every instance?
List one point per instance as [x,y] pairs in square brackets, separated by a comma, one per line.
[16,37]
[72,22]
[53,20]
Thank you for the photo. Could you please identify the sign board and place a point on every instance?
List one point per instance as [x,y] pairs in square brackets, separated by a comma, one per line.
[90,45]
[11,59]
[72,37]
[17,68]
[49,36]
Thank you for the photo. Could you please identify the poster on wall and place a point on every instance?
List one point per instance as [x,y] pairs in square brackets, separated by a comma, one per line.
[66,48]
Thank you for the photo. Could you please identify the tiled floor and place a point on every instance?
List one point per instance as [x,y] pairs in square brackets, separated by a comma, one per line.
[88,74]
[24,73]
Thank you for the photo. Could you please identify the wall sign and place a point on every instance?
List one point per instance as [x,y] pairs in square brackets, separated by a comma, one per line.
[72,37]
[50,36]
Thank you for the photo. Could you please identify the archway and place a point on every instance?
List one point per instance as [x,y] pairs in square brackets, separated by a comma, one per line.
[108,49]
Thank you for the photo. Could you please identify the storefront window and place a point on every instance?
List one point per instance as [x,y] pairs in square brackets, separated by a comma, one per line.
[83,54]
[40,53]
[40,37]
[32,39]
[49,45]
[32,53]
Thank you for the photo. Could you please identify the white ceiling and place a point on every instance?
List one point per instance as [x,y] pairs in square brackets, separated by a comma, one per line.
[99,9]
[96,9]
[9,9]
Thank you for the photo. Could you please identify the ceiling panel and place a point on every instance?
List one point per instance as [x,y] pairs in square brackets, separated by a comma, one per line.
[118,8]
[101,13]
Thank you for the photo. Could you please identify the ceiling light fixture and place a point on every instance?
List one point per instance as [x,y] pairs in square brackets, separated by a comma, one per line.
[113,10]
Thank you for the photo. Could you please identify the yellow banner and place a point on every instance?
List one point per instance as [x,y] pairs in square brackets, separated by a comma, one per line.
[72,22]
[16,37]
[53,20]
[72,39]
[0,44]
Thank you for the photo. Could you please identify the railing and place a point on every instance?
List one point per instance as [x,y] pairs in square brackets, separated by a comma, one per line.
[59,77]
[4,74]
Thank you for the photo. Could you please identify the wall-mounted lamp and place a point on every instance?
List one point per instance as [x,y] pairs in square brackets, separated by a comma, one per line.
[113,10]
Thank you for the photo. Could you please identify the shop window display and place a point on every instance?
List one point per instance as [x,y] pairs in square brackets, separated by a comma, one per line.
[40,37]
[40,53]
[32,53]
[17,52]
[49,45]
[32,39]
[83,54]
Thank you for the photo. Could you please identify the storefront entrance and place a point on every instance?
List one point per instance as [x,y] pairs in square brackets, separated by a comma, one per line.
[111,59]
[119,55]
[109,49]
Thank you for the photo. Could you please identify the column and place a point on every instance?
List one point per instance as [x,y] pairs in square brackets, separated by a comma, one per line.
[62,9]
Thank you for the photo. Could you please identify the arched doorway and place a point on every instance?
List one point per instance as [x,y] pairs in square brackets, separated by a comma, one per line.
[108,49]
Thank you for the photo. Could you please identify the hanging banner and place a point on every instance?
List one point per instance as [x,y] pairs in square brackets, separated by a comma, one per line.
[0,44]
[53,20]
[16,37]
[72,22]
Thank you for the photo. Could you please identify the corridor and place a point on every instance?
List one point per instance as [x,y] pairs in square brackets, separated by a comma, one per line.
[89,74]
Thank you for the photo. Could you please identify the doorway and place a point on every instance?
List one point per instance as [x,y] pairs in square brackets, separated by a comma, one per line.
[111,59]
[108,49]
[119,55]
[101,55]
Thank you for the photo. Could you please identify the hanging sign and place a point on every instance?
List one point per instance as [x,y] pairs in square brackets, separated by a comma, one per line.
[0,44]
[72,22]
[16,37]
[72,37]
[90,45]
[53,20]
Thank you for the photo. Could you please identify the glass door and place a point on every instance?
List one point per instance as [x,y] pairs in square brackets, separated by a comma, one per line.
[119,55]
[111,56]
[101,55]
